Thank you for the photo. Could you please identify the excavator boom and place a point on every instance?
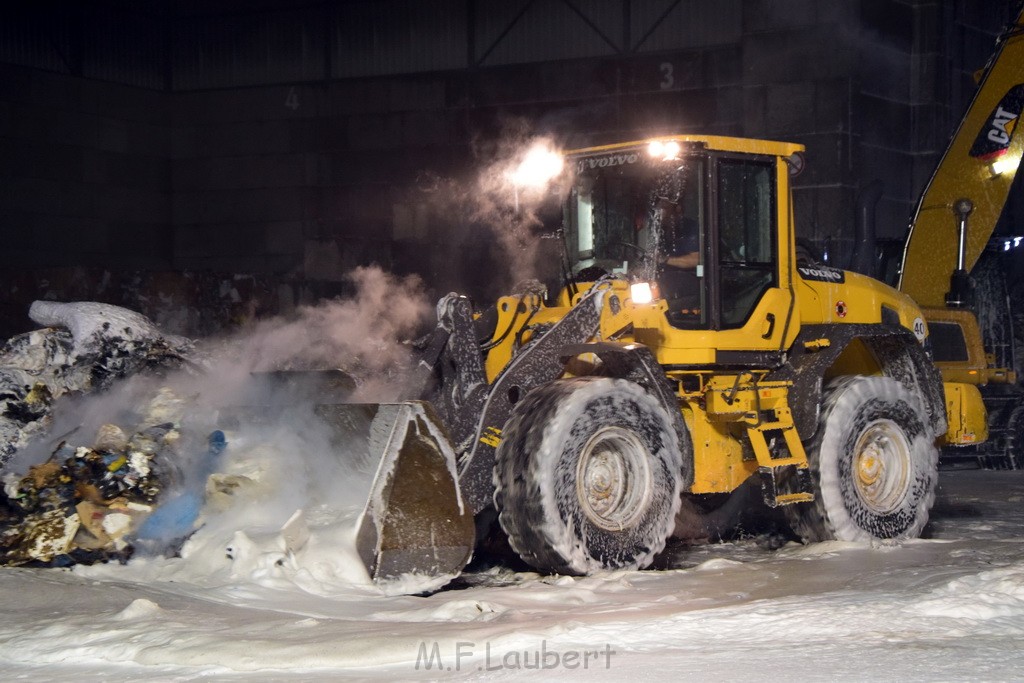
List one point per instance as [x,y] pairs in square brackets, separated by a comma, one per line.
[979,165]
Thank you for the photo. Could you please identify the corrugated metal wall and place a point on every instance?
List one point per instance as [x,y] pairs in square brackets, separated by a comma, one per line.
[256,49]
[28,39]
[126,48]
[105,44]
[545,30]
[658,25]
[197,51]
[397,36]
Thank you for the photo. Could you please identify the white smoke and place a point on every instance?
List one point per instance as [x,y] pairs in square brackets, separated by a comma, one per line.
[284,500]
[513,214]
[294,461]
[503,192]
[366,335]
[286,459]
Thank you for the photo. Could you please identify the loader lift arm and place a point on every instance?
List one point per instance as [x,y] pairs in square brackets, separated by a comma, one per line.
[538,363]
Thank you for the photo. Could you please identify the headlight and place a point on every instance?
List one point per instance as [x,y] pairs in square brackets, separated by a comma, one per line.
[641,293]
[538,167]
[1004,164]
[666,151]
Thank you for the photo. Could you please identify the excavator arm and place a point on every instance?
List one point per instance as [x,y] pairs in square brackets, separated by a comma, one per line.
[979,165]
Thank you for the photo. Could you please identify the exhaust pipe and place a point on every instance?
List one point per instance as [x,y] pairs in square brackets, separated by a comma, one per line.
[866,235]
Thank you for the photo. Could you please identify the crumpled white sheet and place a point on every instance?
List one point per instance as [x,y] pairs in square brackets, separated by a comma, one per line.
[89,322]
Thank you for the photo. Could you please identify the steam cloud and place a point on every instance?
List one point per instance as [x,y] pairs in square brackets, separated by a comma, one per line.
[511,214]
[290,461]
[362,335]
[293,463]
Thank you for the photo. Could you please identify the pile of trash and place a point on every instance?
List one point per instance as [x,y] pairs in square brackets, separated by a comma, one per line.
[88,503]
[97,503]
[82,503]
[83,348]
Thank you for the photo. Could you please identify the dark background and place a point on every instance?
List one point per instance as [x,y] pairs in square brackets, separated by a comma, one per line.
[208,162]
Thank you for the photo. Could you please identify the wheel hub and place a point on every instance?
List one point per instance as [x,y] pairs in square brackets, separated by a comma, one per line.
[882,466]
[613,478]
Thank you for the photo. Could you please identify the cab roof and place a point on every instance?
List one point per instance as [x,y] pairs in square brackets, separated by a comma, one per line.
[713,142]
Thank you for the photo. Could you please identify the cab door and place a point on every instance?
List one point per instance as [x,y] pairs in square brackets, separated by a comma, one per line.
[749,254]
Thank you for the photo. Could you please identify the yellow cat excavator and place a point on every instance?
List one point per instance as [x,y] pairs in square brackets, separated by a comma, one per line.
[686,352]
[954,221]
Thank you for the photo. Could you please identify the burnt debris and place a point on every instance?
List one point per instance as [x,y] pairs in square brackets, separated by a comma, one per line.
[86,502]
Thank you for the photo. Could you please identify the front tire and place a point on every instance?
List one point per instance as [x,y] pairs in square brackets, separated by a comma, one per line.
[873,462]
[588,476]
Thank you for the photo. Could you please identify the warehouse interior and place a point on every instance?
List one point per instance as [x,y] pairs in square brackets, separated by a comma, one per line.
[211,163]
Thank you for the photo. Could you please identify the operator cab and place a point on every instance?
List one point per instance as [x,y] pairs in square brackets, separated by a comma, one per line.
[697,223]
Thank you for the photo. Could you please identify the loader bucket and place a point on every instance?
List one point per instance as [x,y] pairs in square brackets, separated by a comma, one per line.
[414,521]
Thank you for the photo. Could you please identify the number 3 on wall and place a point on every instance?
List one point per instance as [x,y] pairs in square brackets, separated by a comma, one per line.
[667,78]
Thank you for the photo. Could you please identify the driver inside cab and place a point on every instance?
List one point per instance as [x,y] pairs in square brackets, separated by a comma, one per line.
[679,257]
[681,241]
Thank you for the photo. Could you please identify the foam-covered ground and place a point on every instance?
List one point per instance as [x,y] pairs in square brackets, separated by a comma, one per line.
[950,607]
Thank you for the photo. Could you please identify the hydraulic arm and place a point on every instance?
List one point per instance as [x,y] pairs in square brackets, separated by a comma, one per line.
[978,166]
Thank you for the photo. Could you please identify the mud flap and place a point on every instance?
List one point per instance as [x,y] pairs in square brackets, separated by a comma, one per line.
[415,521]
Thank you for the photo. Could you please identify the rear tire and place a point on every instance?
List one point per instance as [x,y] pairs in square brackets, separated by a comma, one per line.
[873,462]
[1015,439]
[1011,445]
[588,476]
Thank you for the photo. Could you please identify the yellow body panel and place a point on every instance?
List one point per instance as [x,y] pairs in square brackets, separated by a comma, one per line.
[977,367]
[688,347]
[856,359]
[518,316]
[729,418]
[720,463]
[965,411]
[857,300]
[716,142]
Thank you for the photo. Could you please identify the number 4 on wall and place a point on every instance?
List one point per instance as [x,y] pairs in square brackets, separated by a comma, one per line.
[292,101]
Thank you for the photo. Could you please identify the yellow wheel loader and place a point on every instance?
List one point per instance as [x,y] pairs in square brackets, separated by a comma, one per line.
[581,419]
[688,351]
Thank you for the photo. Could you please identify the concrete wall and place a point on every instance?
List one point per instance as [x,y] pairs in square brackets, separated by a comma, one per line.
[84,186]
[85,171]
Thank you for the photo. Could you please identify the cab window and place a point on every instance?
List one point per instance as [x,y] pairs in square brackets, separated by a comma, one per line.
[747,246]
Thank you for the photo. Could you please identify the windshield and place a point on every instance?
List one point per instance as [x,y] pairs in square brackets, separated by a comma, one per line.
[648,218]
[631,215]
